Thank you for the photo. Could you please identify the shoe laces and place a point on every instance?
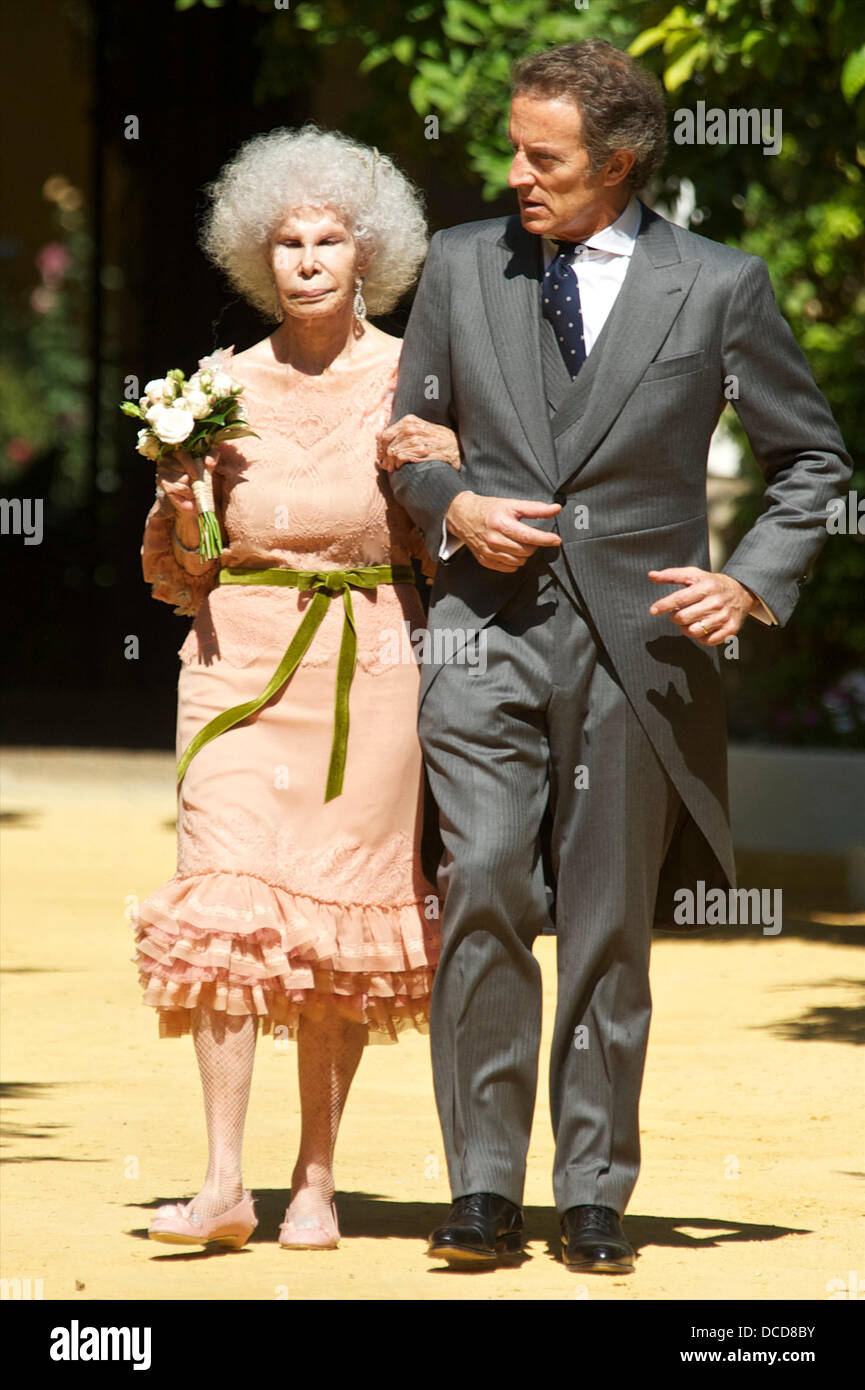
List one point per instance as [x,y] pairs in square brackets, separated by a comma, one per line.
[476,1203]
[604,1218]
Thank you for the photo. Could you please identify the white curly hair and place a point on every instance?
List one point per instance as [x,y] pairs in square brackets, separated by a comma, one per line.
[278,172]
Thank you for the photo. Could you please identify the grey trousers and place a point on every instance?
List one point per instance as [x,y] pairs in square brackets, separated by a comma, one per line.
[545,720]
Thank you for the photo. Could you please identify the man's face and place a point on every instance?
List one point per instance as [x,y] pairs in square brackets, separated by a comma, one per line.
[550,171]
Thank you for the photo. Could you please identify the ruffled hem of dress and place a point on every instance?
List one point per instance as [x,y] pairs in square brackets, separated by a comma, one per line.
[280,1014]
[235,943]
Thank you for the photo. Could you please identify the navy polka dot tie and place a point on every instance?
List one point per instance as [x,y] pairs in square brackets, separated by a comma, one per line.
[561,305]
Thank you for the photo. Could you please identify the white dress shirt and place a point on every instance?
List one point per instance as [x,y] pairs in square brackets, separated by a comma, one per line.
[600,264]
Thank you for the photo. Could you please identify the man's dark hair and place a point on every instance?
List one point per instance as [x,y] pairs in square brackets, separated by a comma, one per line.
[622,104]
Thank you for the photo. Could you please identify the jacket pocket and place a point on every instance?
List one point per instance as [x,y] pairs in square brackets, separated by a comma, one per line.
[674,366]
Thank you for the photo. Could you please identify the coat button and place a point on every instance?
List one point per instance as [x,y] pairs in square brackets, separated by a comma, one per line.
[560,497]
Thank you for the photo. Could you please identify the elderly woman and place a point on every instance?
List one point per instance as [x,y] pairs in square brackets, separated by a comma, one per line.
[299,902]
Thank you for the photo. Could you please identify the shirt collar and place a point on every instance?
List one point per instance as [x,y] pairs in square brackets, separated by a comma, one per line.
[617,239]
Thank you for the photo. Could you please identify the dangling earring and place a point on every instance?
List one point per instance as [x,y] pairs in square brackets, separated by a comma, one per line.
[359,301]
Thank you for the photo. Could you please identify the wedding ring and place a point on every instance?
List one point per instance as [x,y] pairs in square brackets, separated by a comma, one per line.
[703,626]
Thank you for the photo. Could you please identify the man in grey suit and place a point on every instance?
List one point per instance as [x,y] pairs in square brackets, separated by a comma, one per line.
[581,350]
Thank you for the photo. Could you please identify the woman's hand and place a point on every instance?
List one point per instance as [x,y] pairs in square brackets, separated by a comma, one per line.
[175,475]
[410,439]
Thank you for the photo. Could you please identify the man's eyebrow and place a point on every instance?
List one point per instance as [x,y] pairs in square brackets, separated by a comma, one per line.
[536,149]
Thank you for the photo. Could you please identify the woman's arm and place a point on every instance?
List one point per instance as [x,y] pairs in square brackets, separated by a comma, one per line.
[169,552]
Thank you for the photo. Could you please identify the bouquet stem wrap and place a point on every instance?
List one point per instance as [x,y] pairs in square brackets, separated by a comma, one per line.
[209,535]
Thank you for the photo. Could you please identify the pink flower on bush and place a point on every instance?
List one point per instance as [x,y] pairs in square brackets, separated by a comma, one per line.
[18,450]
[52,262]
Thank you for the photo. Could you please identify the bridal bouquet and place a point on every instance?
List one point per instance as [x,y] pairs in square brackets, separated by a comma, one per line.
[197,413]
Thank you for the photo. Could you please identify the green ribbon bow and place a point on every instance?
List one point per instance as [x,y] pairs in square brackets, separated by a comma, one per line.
[324,585]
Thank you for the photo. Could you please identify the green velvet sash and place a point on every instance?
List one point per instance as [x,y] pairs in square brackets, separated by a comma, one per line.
[324,585]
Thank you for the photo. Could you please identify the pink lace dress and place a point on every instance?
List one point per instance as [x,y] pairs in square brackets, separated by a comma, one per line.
[282,903]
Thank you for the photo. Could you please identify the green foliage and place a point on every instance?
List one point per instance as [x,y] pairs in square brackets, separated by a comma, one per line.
[450,59]
[45,374]
[853,74]
[803,212]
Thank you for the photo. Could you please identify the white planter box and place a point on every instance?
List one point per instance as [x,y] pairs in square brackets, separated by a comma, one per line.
[801,801]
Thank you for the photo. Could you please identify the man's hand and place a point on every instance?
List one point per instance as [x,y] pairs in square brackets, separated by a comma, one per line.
[493,532]
[710,608]
[410,439]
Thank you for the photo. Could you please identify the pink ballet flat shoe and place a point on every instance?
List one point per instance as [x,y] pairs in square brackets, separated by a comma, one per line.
[295,1237]
[176,1224]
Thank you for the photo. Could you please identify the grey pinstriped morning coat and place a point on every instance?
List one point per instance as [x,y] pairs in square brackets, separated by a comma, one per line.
[628,439]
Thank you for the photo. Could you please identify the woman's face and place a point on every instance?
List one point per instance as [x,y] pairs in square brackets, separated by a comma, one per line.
[315,263]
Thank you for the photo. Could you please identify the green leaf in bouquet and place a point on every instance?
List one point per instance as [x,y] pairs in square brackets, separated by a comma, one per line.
[238,431]
[130,408]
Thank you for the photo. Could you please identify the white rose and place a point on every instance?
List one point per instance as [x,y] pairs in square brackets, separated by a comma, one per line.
[197,402]
[153,413]
[171,389]
[147,445]
[173,426]
[155,390]
[222,384]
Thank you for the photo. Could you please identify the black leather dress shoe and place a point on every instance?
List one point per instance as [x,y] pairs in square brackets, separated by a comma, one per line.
[593,1241]
[480,1228]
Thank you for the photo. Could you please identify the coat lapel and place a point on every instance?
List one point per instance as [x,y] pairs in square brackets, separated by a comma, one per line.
[655,287]
[509,270]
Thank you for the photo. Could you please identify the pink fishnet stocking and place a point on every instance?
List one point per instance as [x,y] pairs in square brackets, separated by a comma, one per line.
[328,1053]
[225,1049]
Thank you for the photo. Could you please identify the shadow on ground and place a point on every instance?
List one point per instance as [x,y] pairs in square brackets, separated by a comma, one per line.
[364,1215]
[839,1023]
